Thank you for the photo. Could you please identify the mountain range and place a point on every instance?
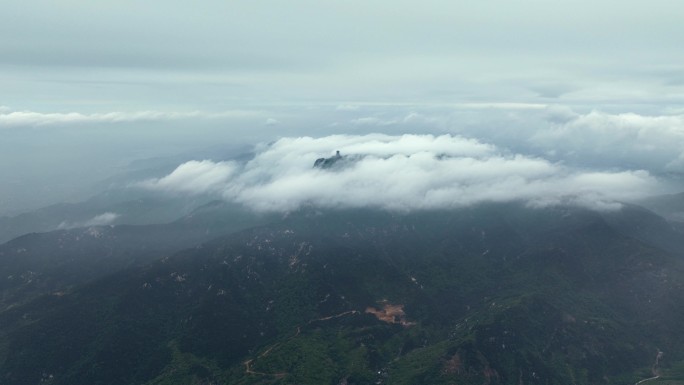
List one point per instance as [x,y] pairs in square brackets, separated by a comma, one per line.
[494,293]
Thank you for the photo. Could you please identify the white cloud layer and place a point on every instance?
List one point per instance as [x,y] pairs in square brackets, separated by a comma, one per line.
[400,173]
[652,141]
[627,139]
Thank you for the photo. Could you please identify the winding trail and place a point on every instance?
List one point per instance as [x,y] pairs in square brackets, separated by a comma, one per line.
[655,369]
[647,379]
[248,370]
[334,316]
[248,363]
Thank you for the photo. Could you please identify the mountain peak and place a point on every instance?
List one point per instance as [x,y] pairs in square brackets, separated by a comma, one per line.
[326,163]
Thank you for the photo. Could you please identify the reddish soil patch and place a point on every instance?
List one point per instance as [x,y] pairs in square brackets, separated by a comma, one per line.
[393,314]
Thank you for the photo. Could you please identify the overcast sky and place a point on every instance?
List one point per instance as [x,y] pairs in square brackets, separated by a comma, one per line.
[86,56]
[89,85]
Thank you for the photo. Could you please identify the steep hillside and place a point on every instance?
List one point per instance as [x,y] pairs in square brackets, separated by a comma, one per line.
[497,294]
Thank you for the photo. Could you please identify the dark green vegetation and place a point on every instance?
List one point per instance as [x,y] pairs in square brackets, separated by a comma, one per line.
[497,294]
[57,261]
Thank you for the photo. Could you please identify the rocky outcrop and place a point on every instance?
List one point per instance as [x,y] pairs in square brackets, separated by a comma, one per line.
[329,162]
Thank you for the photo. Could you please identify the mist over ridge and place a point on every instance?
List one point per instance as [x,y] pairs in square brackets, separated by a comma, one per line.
[401,173]
[57,157]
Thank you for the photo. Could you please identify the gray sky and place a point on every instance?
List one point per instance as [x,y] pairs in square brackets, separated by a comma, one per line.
[106,56]
[86,87]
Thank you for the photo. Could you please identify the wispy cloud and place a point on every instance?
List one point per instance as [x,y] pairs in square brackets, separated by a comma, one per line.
[194,177]
[347,107]
[412,118]
[10,118]
[99,220]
